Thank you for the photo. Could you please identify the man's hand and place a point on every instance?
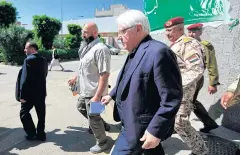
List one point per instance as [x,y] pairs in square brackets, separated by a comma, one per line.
[22,100]
[95,99]
[72,81]
[149,140]
[212,89]
[226,98]
[106,99]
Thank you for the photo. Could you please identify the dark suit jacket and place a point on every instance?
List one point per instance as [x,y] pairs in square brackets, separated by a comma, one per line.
[152,92]
[31,82]
[17,89]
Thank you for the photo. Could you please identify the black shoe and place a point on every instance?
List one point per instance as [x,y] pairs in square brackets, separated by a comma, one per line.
[30,138]
[41,138]
[237,152]
[90,130]
[107,126]
[206,129]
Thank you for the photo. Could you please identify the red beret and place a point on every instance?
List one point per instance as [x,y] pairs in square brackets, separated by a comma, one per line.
[195,26]
[174,21]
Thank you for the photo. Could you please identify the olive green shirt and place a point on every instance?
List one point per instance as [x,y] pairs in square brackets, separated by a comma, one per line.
[211,63]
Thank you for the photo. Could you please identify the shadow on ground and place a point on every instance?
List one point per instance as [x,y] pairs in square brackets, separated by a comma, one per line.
[216,146]
[231,116]
[67,70]
[115,128]
[171,144]
[74,139]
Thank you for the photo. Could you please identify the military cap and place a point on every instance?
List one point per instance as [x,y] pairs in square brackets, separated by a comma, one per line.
[195,26]
[174,21]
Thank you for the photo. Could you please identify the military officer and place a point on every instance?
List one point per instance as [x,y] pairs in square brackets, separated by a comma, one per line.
[190,58]
[195,31]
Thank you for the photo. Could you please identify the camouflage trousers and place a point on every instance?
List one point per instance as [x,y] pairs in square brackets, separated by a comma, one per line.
[183,126]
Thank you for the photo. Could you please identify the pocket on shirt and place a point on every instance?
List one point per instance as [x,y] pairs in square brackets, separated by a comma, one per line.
[86,62]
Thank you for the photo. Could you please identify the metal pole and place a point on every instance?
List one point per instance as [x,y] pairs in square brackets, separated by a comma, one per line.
[62,16]
[62,28]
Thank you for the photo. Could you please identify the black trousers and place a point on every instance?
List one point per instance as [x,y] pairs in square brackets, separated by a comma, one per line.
[199,109]
[27,120]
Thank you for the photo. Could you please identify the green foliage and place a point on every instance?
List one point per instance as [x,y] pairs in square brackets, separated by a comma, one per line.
[39,42]
[59,42]
[1,56]
[62,53]
[46,29]
[103,40]
[12,42]
[8,14]
[75,29]
[72,41]
[30,34]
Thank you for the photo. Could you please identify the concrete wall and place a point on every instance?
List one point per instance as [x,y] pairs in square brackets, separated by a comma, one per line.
[227,46]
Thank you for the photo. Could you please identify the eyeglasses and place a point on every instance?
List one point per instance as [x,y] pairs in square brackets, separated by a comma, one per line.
[123,32]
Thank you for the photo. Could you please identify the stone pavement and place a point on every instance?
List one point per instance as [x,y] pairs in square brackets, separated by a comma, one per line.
[66,129]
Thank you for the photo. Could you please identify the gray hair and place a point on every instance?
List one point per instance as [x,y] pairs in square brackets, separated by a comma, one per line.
[132,17]
[180,26]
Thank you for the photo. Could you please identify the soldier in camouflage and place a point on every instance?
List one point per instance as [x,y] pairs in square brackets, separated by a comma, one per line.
[195,31]
[190,58]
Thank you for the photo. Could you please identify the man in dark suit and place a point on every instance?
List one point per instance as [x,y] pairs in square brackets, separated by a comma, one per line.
[148,91]
[31,91]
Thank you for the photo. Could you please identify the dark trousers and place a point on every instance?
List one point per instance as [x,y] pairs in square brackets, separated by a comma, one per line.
[123,148]
[199,109]
[26,117]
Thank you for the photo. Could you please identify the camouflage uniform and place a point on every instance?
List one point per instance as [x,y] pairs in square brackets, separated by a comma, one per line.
[190,58]
[211,65]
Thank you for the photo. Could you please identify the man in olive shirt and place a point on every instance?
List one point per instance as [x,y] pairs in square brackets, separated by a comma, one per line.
[195,31]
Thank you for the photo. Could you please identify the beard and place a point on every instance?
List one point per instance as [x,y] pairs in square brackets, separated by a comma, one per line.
[89,39]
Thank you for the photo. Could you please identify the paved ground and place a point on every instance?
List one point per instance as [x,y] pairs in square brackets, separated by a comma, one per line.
[66,128]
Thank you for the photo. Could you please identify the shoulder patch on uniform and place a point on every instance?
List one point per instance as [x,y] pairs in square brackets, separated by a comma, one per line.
[187,39]
[193,58]
[207,44]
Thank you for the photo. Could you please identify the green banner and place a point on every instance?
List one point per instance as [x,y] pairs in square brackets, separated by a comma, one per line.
[193,11]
